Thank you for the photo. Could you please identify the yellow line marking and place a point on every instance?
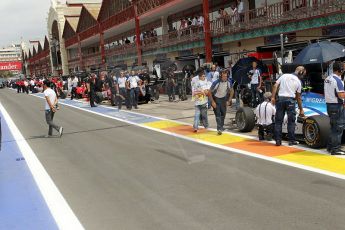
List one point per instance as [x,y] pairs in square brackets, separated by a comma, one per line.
[162,124]
[213,137]
[316,160]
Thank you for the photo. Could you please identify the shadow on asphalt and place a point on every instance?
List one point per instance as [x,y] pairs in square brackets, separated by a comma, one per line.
[172,155]
[185,158]
[67,133]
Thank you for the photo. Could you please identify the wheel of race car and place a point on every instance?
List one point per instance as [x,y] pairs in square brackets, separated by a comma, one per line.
[245,119]
[316,130]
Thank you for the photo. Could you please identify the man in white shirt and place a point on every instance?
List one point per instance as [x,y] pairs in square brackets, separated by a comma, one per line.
[334,96]
[255,83]
[69,84]
[50,108]
[290,89]
[32,85]
[133,85]
[240,9]
[195,21]
[74,87]
[201,21]
[26,86]
[200,96]
[121,90]
[215,73]
[264,114]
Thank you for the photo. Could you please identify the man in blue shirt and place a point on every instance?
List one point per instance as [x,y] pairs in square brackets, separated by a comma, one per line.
[334,96]
[220,98]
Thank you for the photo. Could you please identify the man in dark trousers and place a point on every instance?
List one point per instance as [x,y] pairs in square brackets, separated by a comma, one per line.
[334,96]
[91,89]
[220,98]
[50,108]
[121,90]
[110,81]
[255,83]
[290,89]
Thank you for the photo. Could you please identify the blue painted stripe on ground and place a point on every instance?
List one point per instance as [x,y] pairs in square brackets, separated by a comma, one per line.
[21,203]
[113,112]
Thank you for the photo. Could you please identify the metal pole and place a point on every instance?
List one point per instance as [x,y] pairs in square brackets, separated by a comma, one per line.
[282,47]
[137,34]
[81,64]
[103,59]
[208,41]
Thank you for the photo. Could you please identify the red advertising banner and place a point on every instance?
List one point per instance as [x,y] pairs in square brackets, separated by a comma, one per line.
[6,66]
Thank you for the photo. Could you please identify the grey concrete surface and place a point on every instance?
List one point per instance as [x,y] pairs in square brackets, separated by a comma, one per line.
[117,176]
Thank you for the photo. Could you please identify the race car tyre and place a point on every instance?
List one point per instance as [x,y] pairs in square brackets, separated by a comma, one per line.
[316,130]
[245,119]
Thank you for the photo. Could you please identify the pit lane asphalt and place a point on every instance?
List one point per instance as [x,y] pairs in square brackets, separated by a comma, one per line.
[118,176]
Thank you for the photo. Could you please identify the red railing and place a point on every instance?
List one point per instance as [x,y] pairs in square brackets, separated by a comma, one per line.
[73,62]
[121,49]
[92,31]
[274,14]
[191,34]
[39,56]
[71,41]
[147,5]
[92,59]
[73,59]
[117,19]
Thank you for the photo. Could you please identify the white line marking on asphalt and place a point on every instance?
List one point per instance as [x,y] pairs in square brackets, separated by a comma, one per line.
[295,165]
[60,210]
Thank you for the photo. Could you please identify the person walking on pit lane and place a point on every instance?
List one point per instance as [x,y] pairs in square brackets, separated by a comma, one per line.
[50,108]
[334,96]
[75,82]
[200,96]
[133,84]
[290,89]
[220,97]
[91,89]
[121,90]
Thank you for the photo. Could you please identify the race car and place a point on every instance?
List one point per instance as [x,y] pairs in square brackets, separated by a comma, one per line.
[314,129]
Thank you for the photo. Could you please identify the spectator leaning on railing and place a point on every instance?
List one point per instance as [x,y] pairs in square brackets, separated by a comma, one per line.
[240,10]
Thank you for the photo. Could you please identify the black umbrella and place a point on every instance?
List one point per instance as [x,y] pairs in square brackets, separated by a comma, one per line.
[320,52]
[242,67]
